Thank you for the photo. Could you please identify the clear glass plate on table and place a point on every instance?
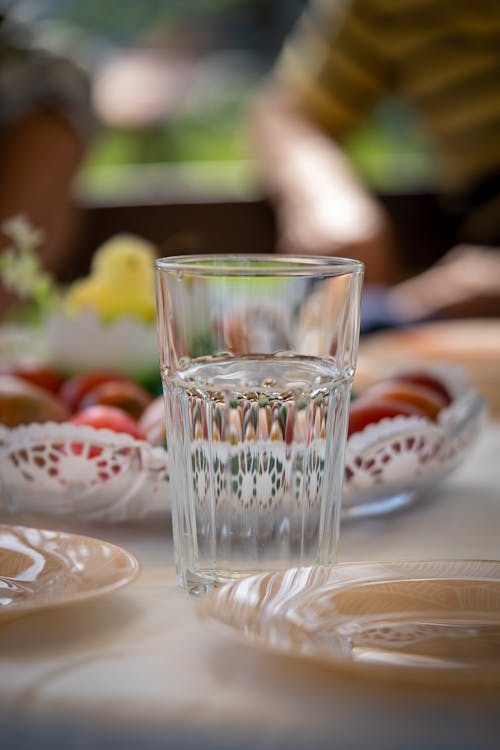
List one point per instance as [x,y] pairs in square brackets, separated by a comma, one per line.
[41,569]
[431,620]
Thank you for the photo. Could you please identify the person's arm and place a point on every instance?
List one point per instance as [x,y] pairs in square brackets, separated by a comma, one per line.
[465,283]
[322,206]
[39,156]
[331,73]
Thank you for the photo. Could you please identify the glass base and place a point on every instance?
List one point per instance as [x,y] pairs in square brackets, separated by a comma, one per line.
[379,507]
[204,580]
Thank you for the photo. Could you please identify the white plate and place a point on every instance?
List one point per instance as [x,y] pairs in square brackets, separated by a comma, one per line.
[436,620]
[41,569]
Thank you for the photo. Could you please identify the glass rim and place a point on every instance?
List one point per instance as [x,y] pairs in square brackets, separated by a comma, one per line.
[255,264]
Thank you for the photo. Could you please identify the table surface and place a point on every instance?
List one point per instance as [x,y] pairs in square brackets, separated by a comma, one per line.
[138,668]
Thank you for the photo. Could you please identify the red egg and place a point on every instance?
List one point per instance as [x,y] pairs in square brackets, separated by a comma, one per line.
[123,394]
[108,417]
[428,380]
[368,410]
[426,399]
[40,375]
[76,387]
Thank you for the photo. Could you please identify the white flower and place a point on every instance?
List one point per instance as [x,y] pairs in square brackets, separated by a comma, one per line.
[22,233]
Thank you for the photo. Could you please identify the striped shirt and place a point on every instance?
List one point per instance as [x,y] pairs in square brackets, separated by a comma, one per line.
[443,56]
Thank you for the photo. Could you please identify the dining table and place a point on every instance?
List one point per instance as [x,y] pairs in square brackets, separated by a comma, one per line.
[139,667]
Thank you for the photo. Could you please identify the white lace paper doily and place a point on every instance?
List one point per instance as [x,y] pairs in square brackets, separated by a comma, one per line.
[396,456]
[401,456]
[63,469]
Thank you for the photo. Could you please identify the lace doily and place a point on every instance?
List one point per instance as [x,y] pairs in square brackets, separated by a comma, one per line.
[62,469]
[97,474]
[404,455]
[258,476]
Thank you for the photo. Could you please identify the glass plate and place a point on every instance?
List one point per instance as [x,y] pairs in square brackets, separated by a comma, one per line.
[40,569]
[405,620]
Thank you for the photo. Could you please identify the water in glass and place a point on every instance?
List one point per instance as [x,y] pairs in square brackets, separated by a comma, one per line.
[256,464]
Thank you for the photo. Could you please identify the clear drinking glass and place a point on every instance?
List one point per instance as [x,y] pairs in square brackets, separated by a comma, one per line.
[257,357]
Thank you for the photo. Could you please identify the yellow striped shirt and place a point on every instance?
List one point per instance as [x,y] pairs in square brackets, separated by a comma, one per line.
[443,56]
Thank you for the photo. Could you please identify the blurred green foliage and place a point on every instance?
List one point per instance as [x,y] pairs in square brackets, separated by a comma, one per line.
[205,136]
[119,20]
[389,150]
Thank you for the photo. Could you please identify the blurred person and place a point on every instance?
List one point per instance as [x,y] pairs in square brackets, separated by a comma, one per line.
[45,124]
[344,57]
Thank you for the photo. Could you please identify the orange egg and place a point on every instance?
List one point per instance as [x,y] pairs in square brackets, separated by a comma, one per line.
[427,379]
[426,399]
[367,410]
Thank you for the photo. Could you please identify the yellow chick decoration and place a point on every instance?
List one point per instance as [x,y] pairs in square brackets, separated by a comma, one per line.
[121,281]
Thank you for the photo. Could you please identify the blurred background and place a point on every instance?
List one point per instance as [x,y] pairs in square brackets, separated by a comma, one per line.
[171,80]
[169,156]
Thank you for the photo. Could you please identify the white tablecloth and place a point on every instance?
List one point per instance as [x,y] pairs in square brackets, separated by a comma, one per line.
[138,669]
